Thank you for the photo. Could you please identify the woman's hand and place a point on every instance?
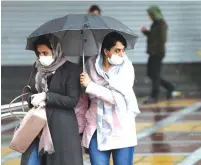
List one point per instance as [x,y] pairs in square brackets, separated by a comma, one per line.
[143,28]
[84,79]
[38,98]
[42,104]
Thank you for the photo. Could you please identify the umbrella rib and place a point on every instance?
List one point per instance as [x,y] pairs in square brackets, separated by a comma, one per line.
[66,20]
[86,19]
[104,23]
[63,26]
[95,42]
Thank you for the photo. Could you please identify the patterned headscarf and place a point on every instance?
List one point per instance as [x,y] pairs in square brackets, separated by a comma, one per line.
[45,71]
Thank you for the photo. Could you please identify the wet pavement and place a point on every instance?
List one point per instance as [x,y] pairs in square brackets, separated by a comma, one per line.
[172,142]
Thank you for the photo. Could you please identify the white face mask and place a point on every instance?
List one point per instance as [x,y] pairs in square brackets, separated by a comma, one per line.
[116,60]
[46,60]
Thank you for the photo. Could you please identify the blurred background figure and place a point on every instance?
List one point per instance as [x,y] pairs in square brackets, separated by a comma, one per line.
[156,39]
[94,9]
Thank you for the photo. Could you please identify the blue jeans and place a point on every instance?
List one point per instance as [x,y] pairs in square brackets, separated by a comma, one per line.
[34,158]
[123,156]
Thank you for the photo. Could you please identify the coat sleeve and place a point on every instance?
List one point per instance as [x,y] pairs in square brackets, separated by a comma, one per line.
[146,32]
[161,37]
[80,111]
[100,92]
[97,90]
[29,89]
[72,90]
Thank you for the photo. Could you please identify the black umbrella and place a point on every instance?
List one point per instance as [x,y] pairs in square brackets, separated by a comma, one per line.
[82,34]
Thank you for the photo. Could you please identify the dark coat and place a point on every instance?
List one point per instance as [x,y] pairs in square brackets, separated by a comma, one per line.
[62,98]
[156,38]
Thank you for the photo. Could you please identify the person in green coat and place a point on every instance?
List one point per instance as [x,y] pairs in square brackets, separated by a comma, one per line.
[156,39]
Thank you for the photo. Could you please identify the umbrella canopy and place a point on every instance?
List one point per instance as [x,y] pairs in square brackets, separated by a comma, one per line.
[82,33]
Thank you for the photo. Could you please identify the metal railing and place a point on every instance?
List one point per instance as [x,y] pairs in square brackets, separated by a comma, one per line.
[9,115]
[6,114]
[16,109]
[13,107]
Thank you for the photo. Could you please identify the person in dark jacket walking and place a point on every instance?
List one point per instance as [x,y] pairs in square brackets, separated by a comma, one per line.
[156,39]
[55,82]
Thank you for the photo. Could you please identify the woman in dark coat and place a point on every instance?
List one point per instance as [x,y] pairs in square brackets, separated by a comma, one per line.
[54,82]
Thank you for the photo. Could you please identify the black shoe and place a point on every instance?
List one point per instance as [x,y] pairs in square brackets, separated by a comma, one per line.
[150,100]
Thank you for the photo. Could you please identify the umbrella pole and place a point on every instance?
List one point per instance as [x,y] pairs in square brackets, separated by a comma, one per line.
[83,59]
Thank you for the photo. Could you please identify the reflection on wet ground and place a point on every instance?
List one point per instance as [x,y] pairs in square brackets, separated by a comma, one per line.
[170,144]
